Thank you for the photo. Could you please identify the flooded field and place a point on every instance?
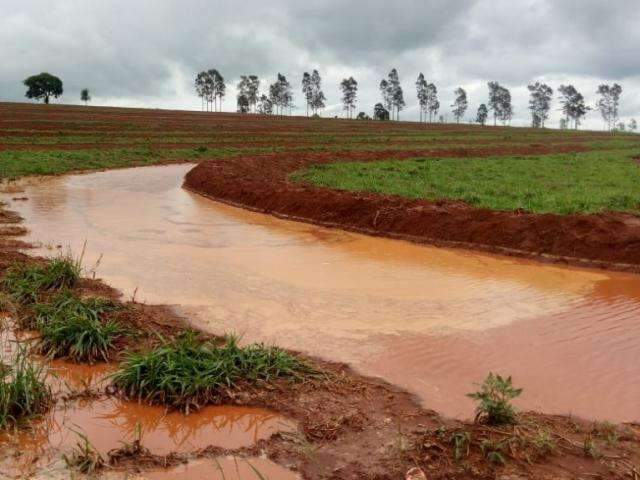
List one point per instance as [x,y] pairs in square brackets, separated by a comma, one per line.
[431,320]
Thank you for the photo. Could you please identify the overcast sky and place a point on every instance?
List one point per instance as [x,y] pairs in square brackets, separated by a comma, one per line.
[147,52]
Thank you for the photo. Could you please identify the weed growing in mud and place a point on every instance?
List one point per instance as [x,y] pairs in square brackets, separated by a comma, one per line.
[543,442]
[73,327]
[494,400]
[590,448]
[25,282]
[23,389]
[189,372]
[461,445]
[84,457]
[493,451]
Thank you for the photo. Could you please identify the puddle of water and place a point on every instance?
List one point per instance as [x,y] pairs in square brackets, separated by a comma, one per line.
[431,320]
[108,423]
[224,468]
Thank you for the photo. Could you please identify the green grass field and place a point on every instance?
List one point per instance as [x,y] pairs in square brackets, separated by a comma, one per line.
[568,183]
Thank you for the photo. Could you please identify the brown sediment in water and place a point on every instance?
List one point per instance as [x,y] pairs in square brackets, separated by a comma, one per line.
[224,468]
[431,320]
[261,183]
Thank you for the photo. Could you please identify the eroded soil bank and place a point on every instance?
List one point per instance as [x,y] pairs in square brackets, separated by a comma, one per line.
[262,183]
[346,425]
[431,320]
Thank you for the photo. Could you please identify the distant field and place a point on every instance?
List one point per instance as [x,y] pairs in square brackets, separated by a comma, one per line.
[568,183]
[499,168]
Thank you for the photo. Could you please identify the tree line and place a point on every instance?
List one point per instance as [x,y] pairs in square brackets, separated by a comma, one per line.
[210,86]
[499,106]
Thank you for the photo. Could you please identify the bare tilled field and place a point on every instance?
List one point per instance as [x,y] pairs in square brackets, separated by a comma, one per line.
[99,383]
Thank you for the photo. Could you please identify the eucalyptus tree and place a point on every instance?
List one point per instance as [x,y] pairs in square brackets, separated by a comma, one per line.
[433,104]
[85,96]
[482,114]
[243,104]
[573,105]
[317,95]
[281,95]
[633,125]
[243,90]
[265,106]
[387,95]
[608,103]
[380,112]
[460,104]
[248,87]
[216,88]
[202,88]
[306,89]
[349,88]
[494,100]
[397,95]
[500,103]
[421,93]
[540,98]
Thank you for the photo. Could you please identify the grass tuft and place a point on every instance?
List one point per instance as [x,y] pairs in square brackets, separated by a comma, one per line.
[84,458]
[188,373]
[23,389]
[25,282]
[75,328]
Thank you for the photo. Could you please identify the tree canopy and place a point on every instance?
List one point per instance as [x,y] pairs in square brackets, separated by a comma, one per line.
[43,86]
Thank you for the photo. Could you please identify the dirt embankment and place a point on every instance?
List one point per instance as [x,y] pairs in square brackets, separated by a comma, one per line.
[261,183]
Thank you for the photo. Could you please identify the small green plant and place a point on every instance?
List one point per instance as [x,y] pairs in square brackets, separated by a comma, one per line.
[461,444]
[188,372]
[494,400]
[23,389]
[493,452]
[74,328]
[609,432]
[84,457]
[26,281]
[543,442]
[590,448]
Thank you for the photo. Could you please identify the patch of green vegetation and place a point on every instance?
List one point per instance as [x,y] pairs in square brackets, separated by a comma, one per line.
[564,183]
[14,164]
[188,372]
[26,281]
[23,389]
[84,457]
[494,400]
[76,328]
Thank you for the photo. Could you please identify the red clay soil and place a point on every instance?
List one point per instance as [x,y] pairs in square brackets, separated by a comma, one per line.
[261,183]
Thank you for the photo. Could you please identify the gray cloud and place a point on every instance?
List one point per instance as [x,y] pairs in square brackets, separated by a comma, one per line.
[146,52]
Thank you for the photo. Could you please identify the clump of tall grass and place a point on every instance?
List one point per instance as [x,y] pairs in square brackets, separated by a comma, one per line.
[76,328]
[23,389]
[188,373]
[26,281]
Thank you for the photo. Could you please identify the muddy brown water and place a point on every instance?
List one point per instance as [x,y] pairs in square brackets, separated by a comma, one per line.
[428,319]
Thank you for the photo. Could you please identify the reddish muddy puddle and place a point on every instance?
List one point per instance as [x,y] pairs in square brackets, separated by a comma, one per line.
[110,422]
[225,468]
[431,320]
